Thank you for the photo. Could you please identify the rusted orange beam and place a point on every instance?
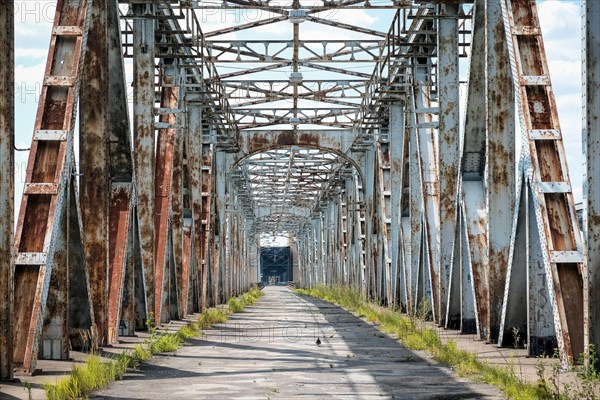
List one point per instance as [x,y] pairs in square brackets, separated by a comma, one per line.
[121,181]
[177,206]
[554,205]
[43,214]
[163,190]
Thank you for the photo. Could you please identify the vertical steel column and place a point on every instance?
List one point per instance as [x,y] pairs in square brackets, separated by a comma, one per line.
[474,240]
[163,181]
[143,138]
[414,233]
[207,218]
[120,170]
[93,160]
[194,158]
[591,72]
[383,214]
[223,164]
[320,255]
[449,145]
[396,137]
[178,194]
[351,260]
[500,161]
[7,136]
[360,236]
[429,174]
[368,168]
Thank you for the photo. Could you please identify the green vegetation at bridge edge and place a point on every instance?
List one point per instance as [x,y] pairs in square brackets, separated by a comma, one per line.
[415,335]
[97,372]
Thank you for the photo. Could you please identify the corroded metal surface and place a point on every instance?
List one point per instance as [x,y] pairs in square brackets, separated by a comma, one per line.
[43,213]
[363,173]
[143,146]
[449,146]
[561,245]
[500,162]
[93,154]
[163,181]
[591,68]
[7,134]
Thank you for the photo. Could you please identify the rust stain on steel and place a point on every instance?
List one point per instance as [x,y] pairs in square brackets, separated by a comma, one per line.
[285,138]
[45,165]
[308,139]
[163,186]
[258,142]
[94,194]
[56,316]
[177,220]
[144,146]
[186,270]
[500,172]
[539,109]
[207,221]
[118,230]
[478,243]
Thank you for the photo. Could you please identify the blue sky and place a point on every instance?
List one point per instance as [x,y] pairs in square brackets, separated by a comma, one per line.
[561,26]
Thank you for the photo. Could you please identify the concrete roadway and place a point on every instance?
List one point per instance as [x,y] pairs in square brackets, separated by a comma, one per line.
[270,352]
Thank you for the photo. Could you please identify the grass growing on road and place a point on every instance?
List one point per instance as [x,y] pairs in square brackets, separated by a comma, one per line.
[97,373]
[415,335]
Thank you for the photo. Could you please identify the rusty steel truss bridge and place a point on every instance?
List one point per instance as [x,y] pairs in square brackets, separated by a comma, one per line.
[383,167]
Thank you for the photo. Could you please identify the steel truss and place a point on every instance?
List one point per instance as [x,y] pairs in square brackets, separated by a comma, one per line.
[371,176]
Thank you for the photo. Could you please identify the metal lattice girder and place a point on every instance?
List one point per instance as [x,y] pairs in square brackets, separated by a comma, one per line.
[591,68]
[343,92]
[7,135]
[173,42]
[562,249]
[48,241]
[312,7]
[255,51]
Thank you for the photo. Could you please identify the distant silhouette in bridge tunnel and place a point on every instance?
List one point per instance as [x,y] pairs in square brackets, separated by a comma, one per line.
[275,265]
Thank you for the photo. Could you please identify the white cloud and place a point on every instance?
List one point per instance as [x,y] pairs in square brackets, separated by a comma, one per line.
[30,53]
[561,28]
[559,19]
